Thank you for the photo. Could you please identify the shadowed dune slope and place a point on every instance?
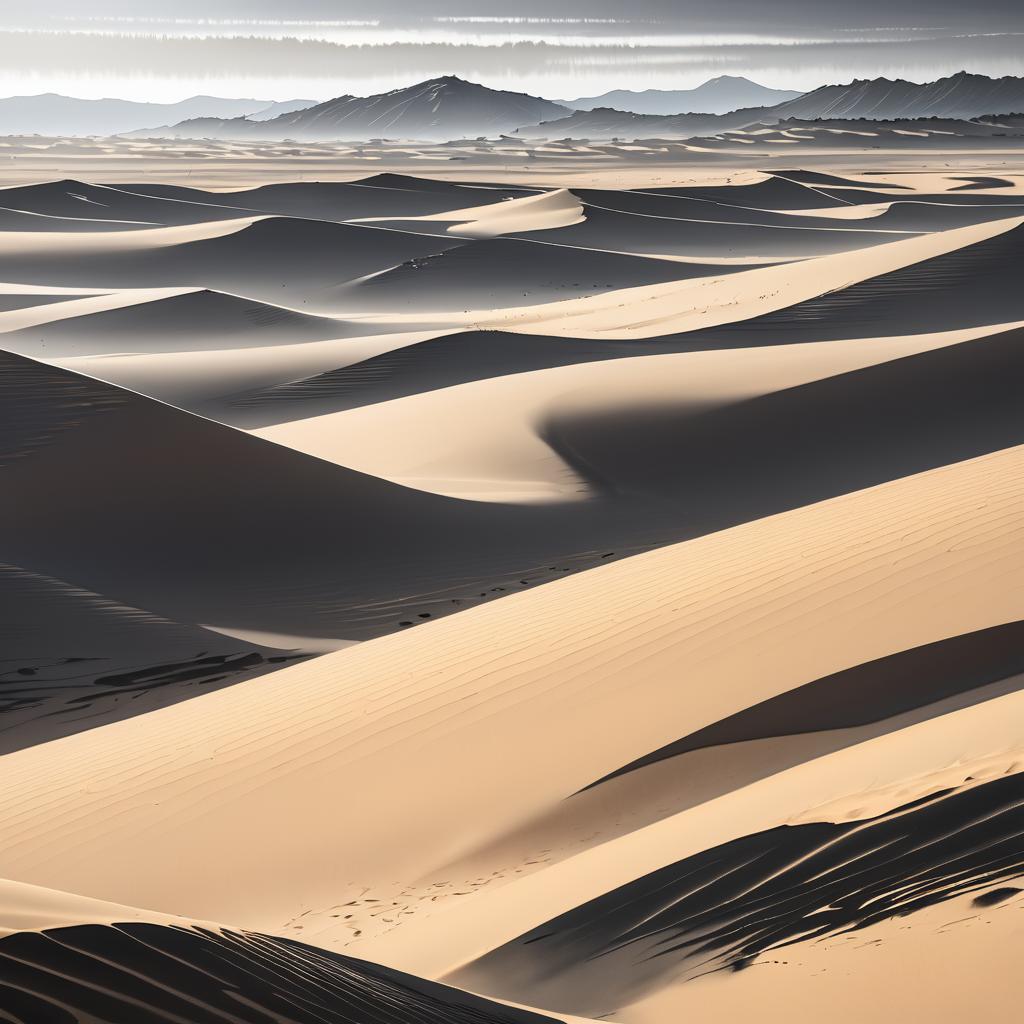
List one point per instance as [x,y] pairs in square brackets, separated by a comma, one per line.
[728,905]
[80,206]
[253,534]
[385,195]
[864,694]
[426,366]
[970,286]
[68,960]
[890,213]
[369,552]
[151,974]
[73,659]
[800,190]
[772,193]
[655,235]
[70,205]
[277,259]
[187,321]
[820,178]
[877,423]
[501,272]
[682,637]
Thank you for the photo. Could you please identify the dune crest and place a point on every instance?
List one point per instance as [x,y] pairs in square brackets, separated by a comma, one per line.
[428,599]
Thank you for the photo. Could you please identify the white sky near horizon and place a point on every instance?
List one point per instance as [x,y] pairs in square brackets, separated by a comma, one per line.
[558,57]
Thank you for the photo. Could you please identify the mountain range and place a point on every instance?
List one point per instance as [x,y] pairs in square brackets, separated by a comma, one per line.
[717,96]
[449,108]
[440,109]
[53,114]
[962,95]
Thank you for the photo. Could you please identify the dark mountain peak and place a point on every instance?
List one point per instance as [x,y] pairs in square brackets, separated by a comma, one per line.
[441,108]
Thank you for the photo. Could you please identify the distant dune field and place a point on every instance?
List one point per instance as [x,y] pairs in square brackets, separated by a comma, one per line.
[567,585]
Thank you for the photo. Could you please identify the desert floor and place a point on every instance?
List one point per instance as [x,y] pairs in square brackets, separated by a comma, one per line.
[582,585]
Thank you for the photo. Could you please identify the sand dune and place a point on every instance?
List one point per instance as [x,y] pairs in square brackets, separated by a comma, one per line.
[637,425]
[865,694]
[699,235]
[70,205]
[707,498]
[76,205]
[504,272]
[959,288]
[276,259]
[685,604]
[957,956]
[315,579]
[212,382]
[318,538]
[765,892]
[74,659]
[544,211]
[663,309]
[194,319]
[67,958]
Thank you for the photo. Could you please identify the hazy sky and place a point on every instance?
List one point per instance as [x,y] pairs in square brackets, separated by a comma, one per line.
[169,49]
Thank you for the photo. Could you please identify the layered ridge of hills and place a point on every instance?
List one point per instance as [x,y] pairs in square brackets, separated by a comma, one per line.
[961,95]
[53,114]
[442,108]
[716,96]
[449,108]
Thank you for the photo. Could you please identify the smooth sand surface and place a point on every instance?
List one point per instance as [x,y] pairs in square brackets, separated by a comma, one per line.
[425,690]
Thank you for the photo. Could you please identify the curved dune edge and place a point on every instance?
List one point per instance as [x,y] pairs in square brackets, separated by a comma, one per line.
[34,908]
[65,958]
[74,659]
[758,895]
[657,310]
[810,592]
[543,212]
[639,792]
[652,311]
[944,964]
[853,784]
[486,440]
[865,694]
[205,381]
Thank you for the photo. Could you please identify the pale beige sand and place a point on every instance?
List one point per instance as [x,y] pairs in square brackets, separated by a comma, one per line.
[427,798]
[945,964]
[657,310]
[229,165]
[519,682]
[981,742]
[33,908]
[545,211]
[201,380]
[484,440]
